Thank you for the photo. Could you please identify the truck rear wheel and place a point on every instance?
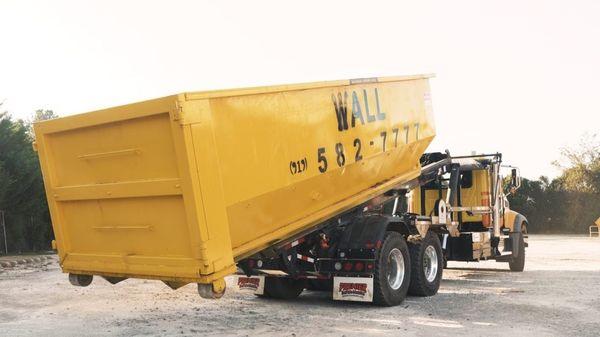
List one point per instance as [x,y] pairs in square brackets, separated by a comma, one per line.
[427,266]
[518,263]
[283,288]
[392,271]
[319,285]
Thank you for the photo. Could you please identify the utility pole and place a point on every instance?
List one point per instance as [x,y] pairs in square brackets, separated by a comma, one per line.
[4,229]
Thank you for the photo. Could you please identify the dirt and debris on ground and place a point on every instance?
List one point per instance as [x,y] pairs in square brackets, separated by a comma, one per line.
[557,295]
[11,261]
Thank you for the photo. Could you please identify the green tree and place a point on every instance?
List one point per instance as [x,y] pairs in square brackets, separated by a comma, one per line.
[570,202]
[580,166]
[43,115]
[38,116]
[22,195]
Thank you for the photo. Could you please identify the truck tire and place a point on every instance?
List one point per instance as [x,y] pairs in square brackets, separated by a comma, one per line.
[518,263]
[427,264]
[392,271]
[319,285]
[282,288]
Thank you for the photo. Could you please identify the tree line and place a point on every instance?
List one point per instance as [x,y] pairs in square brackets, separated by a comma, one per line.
[22,195]
[568,203]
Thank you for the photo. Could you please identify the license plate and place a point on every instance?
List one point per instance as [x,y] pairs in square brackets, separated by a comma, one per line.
[253,284]
[353,289]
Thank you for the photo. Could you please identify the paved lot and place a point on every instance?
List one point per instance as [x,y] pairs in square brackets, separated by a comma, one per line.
[557,295]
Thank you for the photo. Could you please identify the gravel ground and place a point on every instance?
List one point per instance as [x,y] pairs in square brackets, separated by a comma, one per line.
[557,295]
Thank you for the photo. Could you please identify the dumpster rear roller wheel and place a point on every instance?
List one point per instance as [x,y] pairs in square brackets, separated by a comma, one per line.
[80,280]
[212,291]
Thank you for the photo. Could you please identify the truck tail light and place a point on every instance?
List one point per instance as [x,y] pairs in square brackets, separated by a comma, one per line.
[359,266]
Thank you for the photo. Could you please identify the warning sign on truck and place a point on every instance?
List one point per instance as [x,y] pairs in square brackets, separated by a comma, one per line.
[353,289]
[255,284]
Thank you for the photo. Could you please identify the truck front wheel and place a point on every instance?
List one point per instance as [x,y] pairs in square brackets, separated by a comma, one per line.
[427,266]
[518,263]
[392,271]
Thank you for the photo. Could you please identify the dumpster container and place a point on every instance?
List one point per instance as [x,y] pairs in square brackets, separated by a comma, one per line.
[180,188]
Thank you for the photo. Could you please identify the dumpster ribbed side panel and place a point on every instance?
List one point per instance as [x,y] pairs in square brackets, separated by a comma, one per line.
[284,156]
[117,182]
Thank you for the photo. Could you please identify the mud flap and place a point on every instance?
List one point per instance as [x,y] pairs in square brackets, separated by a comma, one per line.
[253,284]
[353,289]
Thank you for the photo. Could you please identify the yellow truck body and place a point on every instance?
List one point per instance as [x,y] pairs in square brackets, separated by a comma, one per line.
[475,193]
[179,188]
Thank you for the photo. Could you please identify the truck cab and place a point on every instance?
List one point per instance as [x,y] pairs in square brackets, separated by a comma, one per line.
[483,225]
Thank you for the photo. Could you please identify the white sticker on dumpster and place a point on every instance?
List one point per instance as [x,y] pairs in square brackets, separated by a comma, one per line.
[255,284]
[353,289]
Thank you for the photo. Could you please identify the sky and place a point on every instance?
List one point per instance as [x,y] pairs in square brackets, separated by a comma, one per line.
[518,77]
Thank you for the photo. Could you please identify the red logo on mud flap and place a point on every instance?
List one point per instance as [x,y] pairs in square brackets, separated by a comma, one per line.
[353,289]
[248,283]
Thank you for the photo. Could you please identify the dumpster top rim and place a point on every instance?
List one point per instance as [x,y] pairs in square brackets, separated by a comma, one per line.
[165,104]
[194,95]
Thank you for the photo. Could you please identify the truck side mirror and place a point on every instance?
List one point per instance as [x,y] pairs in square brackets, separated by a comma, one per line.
[515,181]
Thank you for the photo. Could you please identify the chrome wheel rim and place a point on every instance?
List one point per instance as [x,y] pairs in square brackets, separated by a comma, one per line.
[430,263]
[395,274]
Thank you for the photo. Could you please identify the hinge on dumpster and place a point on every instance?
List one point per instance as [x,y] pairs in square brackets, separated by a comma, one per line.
[177,113]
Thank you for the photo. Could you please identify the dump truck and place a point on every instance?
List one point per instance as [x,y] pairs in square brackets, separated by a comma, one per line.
[322,186]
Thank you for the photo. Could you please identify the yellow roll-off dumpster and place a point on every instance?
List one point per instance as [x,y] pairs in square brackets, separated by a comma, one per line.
[180,188]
